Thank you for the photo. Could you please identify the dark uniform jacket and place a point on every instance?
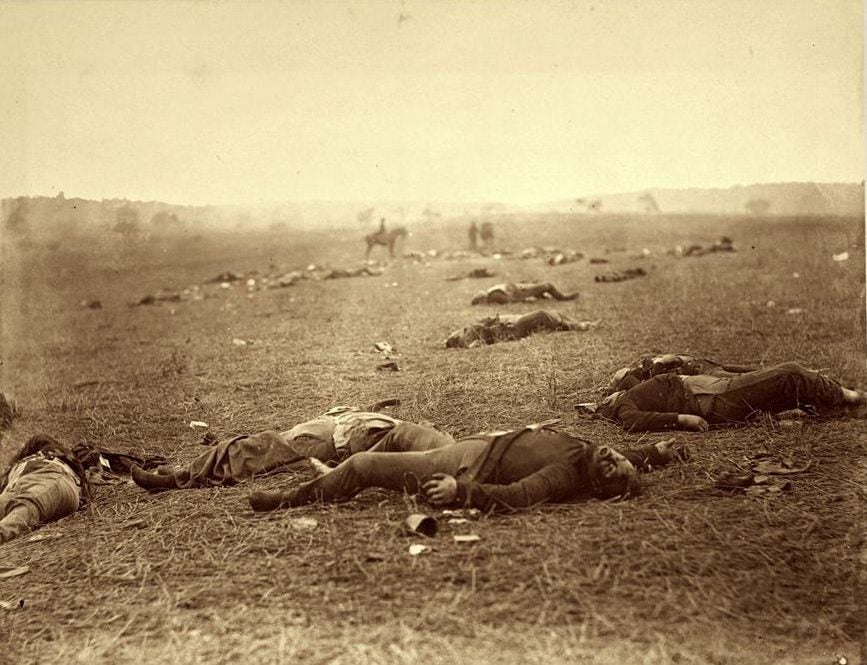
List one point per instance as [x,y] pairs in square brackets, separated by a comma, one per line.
[530,466]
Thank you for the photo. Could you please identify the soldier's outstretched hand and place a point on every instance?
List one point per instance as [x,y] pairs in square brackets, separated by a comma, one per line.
[691,422]
[671,450]
[441,489]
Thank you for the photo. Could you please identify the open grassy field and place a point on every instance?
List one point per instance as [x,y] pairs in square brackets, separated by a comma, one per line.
[685,573]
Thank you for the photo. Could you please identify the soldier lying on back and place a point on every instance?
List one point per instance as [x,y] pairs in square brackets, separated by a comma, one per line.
[44,482]
[506,327]
[649,366]
[334,435]
[488,471]
[509,292]
[669,401]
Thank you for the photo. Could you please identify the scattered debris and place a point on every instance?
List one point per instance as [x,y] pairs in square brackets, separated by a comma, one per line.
[198,423]
[770,304]
[467,538]
[43,535]
[471,513]
[419,523]
[842,256]
[795,310]
[597,260]
[784,467]
[417,549]
[390,366]
[384,348]
[458,520]
[91,304]
[796,275]
[209,439]
[381,404]
[303,523]
[375,557]
[237,341]
[763,478]
[12,604]
[6,571]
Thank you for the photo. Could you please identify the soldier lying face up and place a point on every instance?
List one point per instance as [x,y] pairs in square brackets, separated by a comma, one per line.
[488,471]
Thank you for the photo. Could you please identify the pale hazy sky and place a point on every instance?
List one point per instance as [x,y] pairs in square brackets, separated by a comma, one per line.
[520,102]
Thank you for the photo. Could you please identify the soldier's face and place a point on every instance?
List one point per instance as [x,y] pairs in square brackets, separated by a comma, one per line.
[611,464]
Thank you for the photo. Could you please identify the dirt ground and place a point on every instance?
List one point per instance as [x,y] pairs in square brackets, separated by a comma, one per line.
[685,573]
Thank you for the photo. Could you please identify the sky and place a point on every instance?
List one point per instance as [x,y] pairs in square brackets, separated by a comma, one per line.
[517,102]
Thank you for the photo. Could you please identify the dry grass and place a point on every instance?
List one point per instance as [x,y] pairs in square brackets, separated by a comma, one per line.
[686,573]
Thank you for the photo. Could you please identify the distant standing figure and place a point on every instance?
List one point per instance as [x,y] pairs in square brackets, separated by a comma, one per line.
[474,236]
[487,234]
[382,224]
[509,292]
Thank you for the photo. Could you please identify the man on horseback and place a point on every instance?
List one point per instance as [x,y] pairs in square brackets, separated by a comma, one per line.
[384,237]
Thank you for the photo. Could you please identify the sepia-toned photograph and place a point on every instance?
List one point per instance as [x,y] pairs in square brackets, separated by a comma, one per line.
[405,332]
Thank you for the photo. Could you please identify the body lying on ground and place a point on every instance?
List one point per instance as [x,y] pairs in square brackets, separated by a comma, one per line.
[44,483]
[336,434]
[488,471]
[669,363]
[621,275]
[509,292]
[724,244]
[670,401]
[506,327]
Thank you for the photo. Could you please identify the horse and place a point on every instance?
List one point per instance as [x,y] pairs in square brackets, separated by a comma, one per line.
[385,238]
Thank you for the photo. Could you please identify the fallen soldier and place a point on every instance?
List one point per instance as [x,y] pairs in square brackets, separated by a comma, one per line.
[475,273]
[506,327]
[44,483]
[335,435]
[560,257]
[509,292]
[488,471]
[649,366]
[621,275]
[287,279]
[724,244]
[160,296]
[670,401]
[364,271]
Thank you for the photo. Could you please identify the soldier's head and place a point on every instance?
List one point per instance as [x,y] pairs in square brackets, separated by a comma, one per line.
[42,443]
[612,475]
[480,297]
